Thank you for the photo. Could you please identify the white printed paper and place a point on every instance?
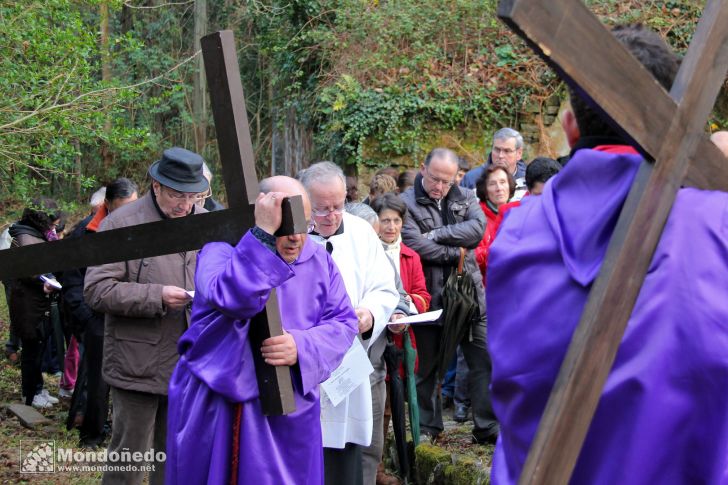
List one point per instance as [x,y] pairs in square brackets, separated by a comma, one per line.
[353,371]
[190,293]
[421,318]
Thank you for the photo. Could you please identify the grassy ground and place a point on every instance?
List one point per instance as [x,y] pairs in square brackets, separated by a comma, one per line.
[11,432]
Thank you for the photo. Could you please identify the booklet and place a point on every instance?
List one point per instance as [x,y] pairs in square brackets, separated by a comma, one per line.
[421,318]
[51,281]
[353,371]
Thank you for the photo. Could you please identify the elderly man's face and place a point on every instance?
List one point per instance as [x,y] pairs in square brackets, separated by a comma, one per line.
[172,203]
[505,154]
[439,176]
[289,247]
[327,205]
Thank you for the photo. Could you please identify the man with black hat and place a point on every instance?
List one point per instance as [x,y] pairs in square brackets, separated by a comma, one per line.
[145,302]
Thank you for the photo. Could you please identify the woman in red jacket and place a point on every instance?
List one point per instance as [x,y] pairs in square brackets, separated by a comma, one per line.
[494,188]
[392,211]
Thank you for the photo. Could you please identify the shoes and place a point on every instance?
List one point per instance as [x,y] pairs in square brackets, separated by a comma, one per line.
[65,393]
[40,402]
[461,413]
[12,356]
[383,478]
[485,440]
[48,397]
[430,437]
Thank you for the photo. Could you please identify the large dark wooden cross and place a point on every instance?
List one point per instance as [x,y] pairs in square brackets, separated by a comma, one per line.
[191,233]
[668,128]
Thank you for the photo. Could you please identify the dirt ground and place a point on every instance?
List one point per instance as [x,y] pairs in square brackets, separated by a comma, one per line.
[12,432]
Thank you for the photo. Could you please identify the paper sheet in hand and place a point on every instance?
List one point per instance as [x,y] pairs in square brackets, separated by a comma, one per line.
[354,369]
[421,318]
[51,281]
[190,293]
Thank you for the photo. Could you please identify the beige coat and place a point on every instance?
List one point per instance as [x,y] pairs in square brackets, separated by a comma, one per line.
[140,334]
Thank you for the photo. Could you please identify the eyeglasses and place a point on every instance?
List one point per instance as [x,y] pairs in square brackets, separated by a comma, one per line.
[436,181]
[326,212]
[504,151]
[181,196]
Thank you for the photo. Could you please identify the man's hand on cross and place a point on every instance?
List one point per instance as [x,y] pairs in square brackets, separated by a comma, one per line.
[268,211]
[280,350]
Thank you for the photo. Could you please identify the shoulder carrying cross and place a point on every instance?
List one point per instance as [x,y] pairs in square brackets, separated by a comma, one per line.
[668,128]
[191,233]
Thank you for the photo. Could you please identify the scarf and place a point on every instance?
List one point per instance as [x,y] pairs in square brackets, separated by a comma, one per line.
[393,250]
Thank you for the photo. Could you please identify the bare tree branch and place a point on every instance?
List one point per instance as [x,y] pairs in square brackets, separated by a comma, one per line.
[97,92]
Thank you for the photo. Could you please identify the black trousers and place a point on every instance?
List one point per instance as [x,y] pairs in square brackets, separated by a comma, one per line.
[96,407]
[343,466]
[30,368]
[428,392]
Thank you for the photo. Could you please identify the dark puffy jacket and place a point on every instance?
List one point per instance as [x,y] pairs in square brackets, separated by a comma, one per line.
[82,317]
[29,306]
[461,223]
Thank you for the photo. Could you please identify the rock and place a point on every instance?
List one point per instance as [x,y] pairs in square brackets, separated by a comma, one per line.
[28,416]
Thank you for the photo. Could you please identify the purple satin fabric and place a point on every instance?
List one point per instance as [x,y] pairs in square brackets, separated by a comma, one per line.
[216,366]
[663,415]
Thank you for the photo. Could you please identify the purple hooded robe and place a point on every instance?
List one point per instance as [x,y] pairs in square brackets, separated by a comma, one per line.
[216,368]
[663,415]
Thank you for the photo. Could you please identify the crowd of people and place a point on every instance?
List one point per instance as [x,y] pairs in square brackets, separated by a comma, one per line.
[168,337]
[126,323]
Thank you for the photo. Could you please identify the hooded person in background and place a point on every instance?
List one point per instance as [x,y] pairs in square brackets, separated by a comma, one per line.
[663,413]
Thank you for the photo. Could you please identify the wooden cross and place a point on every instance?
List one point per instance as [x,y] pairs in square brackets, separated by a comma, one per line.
[667,127]
[191,233]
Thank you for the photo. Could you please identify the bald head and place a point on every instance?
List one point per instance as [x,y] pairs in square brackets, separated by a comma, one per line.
[289,186]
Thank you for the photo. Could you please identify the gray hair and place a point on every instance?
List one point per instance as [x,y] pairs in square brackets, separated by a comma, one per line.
[508,133]
[98,197]
[363,211]
[319,172]
[206,171]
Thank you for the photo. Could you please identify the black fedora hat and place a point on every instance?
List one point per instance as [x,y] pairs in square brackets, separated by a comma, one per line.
[181,170]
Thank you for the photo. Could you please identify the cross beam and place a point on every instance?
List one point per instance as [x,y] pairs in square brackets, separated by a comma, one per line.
[668,128]
[191,233]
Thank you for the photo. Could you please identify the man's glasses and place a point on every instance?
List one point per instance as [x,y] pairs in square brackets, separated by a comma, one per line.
[326,212]
[181,196]
[436,181]
[504,151]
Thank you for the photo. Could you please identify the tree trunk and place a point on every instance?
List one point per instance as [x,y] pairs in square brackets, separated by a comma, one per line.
[106,155]
[199,93]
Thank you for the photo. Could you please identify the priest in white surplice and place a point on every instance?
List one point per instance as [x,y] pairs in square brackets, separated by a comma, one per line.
[369,280]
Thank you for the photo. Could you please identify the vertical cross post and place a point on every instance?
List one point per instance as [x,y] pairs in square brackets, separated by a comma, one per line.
[241,183]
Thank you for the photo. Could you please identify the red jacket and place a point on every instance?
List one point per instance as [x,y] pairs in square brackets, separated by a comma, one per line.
[413,281]
[493,221]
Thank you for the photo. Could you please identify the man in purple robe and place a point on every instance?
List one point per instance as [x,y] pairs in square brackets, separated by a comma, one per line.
[663,413]
[216,370]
